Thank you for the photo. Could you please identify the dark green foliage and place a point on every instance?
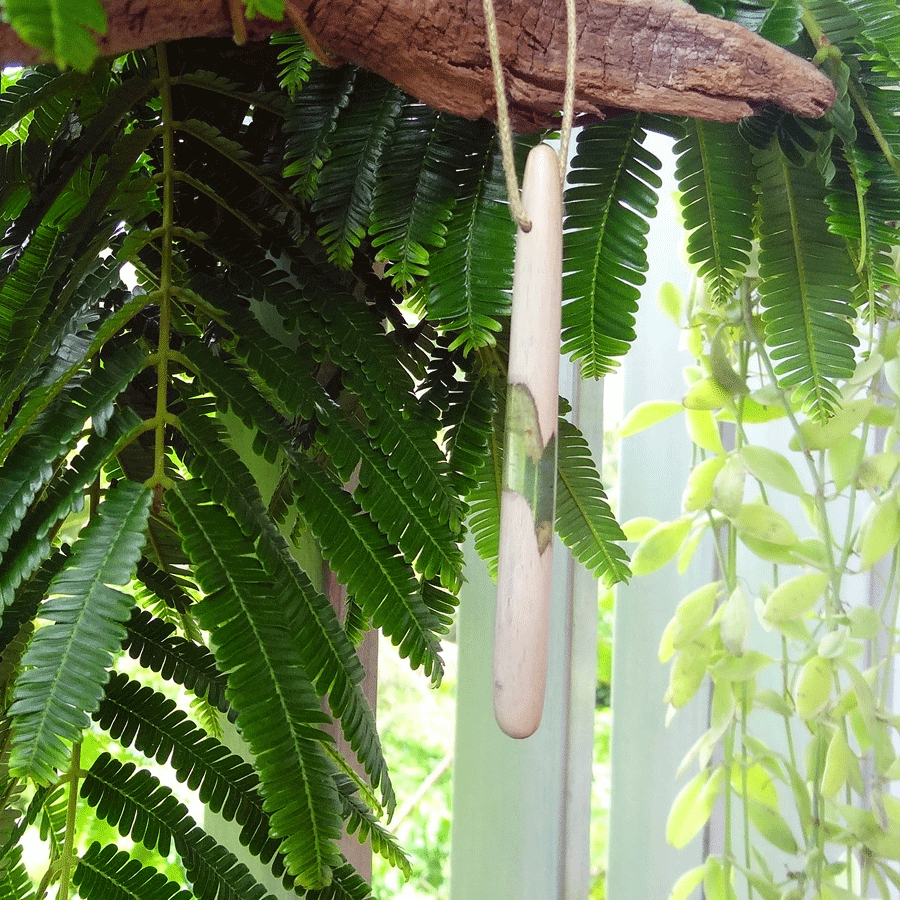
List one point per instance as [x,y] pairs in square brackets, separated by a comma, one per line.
[65,665]
[717,204]
[611,194]
[583,517]
[107,873]
[278,711]
[806,276]
[133,801]
[313,355]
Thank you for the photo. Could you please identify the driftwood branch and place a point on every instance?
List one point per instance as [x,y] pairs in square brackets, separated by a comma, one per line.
[657,55]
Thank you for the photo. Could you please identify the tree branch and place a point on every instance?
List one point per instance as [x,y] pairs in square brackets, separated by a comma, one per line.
[657,55]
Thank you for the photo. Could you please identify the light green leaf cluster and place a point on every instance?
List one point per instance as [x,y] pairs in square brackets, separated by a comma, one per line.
[820,507]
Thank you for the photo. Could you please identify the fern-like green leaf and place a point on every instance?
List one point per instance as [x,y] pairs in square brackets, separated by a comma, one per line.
[345,332]
[484,499]
[405,518]
[806,276]
[64,494]
[137,716]
[67,662]
[323,648]
[64,29]
[415,191]
[175,658]
[237,155]
[107,873]
[778,21]
[29,467]
[611,194]
[471,275]
[717,203]
[24,295]
[366,827]
[136,803]
[381,582]
[295,59]
[311,122]
[41,396]
[278,711]
[15,882]
[346,184]
[584,519]
[37,92]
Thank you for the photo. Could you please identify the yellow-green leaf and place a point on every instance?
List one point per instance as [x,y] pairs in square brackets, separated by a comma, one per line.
[659,546]
[698,492]
[688,882]
[772,826]
[706,393]
[756,520]
[703,430]
[880,531]
[771,468]
[822,435]
[795,598]
[693,806]
[646,414]
[813,689]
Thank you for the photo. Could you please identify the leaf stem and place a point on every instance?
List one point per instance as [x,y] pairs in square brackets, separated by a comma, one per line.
[164,299]
[68,858]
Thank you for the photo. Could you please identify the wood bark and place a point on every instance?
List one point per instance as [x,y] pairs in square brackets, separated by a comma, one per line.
[654,55]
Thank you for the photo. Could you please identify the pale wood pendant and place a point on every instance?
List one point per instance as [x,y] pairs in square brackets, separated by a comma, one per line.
[529,476]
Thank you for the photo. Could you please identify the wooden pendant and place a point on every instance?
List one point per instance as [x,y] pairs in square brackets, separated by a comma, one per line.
[529,476]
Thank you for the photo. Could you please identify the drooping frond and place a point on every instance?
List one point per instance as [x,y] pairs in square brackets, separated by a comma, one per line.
[346,184]
[107,873]
[471,275]
[295,59]
[43,92]
[278,711]
[310,124]
[584,520]
[365,826]
[63,495]
[415,191]
[134,801]
[467,405]
[805,277]
[611,194]
[322,646]
[154,643]
[717,203]
[67,662]
[384,585]
[137,716]
[484,498]
[15,882]
[415,511]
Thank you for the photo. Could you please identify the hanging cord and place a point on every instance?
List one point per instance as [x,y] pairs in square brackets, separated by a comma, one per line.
[516,208]
[568,113]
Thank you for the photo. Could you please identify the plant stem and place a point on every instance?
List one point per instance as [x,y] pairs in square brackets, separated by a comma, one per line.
[67,862]
[165,280]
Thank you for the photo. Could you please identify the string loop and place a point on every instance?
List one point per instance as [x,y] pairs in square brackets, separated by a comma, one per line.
[504,126]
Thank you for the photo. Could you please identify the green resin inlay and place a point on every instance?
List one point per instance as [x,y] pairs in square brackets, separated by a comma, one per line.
[530,464]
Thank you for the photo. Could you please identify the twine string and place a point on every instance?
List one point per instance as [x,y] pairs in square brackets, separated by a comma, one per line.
[504,126]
